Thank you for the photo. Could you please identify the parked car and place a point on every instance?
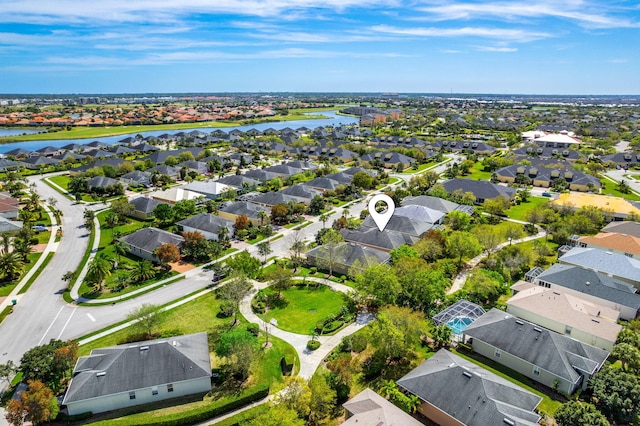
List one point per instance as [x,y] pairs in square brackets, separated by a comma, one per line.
[546,194]
[39,228]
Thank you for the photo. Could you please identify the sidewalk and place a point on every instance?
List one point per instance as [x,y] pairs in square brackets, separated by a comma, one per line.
[52,246]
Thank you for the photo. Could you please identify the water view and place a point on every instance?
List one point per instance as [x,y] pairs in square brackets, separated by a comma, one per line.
[333,120]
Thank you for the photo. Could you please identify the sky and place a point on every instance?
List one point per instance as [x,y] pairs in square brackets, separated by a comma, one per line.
[407,46]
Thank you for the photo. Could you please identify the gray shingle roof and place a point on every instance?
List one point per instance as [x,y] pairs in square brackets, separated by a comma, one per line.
[422,213]
[590,282]
[131,366]
[480,188]
[386,240]
[101,182]
[618,265]
[556,353]
[469,393]
[300,191]
[207,222]
[369,408]
[402,224]
[244,207]
[625,227]
[148,239]
[351,253]
[145,204]
[237,181]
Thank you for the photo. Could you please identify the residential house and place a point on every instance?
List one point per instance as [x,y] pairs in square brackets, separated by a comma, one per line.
[9,226]
[545,174]
[10,165]
[136,178]
[537,152]
[347,254]
[405,225]
[250,210]
[454,391]
[567,314]
[422,213]
[625,244]
[322,184]
[9,206]
[351,171]
[270,199]
[261,175]
[144,207]
[139,373]
[481,189]
[558,140]
[199,167]
[175,194]
[172,172]
[101,182]
[369,408]
[624,227]
[145,241]
[50,151]
[240,183]
[284,170]
[550,358]
[618,208]
[436,203]
[615,265]
[588,284]
[371,237]
[211,190]
[390,160]
[207,224]
[39,162]
[302,192]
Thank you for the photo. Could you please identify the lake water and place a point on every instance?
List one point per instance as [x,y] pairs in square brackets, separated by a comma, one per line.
[333,120]
[15,132]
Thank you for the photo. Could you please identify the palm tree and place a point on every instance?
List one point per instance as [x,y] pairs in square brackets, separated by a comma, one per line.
[324,218]
[262,215]
[120,249]
[22,248]
[99,269]
[11,265]
[111,220]
[6,242]
[142,271]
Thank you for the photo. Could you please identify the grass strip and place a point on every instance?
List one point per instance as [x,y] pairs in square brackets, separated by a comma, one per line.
[37,273]
[132,296]
[6,311]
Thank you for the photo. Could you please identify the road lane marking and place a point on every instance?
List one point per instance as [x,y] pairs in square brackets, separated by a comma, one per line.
[50,325]
[67,323]
[91,317]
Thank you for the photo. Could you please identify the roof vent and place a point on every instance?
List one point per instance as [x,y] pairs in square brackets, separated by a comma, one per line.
[537,329]
[101,374]
[174,343]
[144,348]
[519,322]
[508,422]
[467,374]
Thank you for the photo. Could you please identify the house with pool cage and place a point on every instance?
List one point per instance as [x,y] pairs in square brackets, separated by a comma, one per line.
[459,316]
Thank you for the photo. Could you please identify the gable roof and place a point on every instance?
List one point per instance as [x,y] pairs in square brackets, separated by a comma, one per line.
[618,265]
[564,308]
[613,241]
[148,239]
[591,282]
[402,224]
[422,213]
[145,204]
[369,408]
[480,188]
[558,354]
[207,222]
[436,203]
[469,393]
[351,253]
[237,181]
[207,188]
[576,200]
[385,240]
[101,182]
[624,227]
[140,365]
[244,207]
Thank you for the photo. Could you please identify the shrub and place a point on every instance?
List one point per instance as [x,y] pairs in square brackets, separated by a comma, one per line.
[253,329]
[331,327]
[343,278]
[285,366]
[312,345]
[354,343]
[226,309]
[259,308]
[313,270]
[373,366]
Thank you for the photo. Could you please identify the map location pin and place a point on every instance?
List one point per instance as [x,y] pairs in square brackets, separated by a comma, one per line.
[381,219]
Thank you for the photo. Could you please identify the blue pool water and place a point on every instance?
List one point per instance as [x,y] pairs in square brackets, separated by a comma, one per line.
[458,324]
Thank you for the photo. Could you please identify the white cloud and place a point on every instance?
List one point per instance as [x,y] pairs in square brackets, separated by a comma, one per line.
[496,49]
[584,13]
[514,35]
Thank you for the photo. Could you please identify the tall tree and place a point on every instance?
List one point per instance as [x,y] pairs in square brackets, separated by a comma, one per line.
[332,250]
[264,250]
[379,283]
[99,269]
[280,279]
[146,318]
[239,348]
[461,244]
[38,403]
[577,413]
[11,265]
[234,290]
[167,253]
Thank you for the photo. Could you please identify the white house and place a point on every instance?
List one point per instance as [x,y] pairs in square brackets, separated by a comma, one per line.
[139,373]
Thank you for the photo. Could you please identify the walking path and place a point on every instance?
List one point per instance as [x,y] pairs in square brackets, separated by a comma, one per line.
[309,360]
[461,278]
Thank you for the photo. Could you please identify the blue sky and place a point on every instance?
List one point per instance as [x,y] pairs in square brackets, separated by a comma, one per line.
[135,46]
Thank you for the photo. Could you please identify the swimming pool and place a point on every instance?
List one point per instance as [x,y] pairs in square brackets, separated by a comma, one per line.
[458,324]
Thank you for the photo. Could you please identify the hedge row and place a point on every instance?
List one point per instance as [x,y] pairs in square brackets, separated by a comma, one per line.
[249,414]
[197,415]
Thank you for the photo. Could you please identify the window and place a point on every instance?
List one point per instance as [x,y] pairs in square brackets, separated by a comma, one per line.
[132,395]
[170,387]
[536,371]
[498,352]
[628,254]
[154,390]
[567,329]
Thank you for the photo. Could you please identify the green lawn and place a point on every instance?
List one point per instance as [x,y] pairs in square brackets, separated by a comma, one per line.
[196,316]
[519,212]
[7,287]
[477,173]
[61,180]
[610,189]
[305,307]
